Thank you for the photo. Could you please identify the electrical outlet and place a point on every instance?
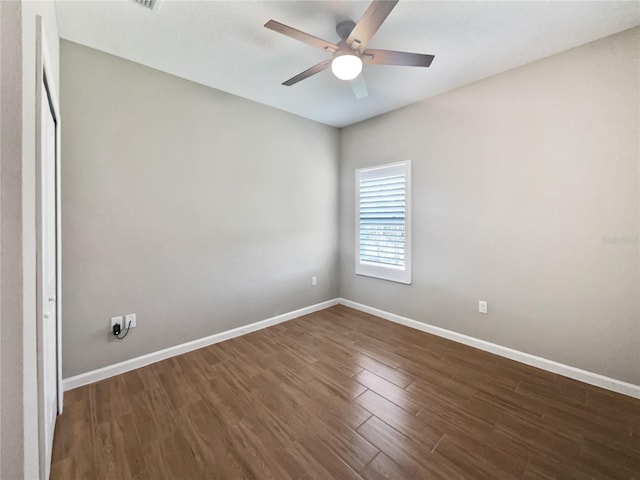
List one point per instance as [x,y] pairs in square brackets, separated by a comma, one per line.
[482,306]
[314,281]
[129,318]
[115,320]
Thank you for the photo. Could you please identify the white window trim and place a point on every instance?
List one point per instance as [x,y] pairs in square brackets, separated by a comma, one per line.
[385,272]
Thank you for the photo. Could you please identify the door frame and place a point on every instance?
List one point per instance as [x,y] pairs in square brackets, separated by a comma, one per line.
[44,77]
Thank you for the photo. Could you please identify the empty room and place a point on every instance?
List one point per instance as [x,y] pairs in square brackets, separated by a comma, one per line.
[320,239]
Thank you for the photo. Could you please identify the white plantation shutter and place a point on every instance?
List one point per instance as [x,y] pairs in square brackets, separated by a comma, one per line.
[382,217]
[383,222]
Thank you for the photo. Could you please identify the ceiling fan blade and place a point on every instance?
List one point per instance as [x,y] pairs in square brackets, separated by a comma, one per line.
[391,57]
[301,36]
[308,72]
[359,86]
[370,22]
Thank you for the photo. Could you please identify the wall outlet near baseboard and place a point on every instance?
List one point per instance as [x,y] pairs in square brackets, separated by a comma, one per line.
[314,281]
[483,307]
[129,318]
[116,320]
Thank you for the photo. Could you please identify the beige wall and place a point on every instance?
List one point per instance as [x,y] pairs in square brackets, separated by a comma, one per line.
[197,210]
[525,194]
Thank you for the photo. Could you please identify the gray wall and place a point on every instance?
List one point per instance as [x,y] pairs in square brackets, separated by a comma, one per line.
[201,211]
[525,194]
[197,210]
[11,414]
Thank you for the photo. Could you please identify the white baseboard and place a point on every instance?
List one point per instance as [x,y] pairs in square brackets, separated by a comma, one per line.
[128,365]
[539,362]
[526,358]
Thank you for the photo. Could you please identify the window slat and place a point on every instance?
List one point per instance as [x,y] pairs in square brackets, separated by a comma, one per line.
[382,218]
[381,261]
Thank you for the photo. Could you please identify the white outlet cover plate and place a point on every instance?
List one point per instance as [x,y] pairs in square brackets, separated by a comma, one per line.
[482,306]
[129,318]
[115,320]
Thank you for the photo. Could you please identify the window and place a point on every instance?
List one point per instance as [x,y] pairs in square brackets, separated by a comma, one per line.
[383,222]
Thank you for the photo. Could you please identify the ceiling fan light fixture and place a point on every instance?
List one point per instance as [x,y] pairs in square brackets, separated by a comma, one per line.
[346,66]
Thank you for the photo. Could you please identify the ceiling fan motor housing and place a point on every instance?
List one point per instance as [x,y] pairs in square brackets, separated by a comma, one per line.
[344,49]
[343,29]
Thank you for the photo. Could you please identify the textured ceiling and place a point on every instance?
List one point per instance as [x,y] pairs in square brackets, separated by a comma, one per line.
[223,44]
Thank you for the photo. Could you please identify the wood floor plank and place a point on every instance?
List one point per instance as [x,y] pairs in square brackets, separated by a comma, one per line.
[330,400]
[347,443]
[269,459]
[179,391]
[610,456]
[109,451]
[485,381]
[551,393]
[512,402]
[407,424]
[382,468]
[171,457]
[405,399]
[73,443]
[111,395]
[539,436]
[215,450]
[330,461]
[414,459]
[432,385]
[131,451]
[336,379]
[543,466]
[473,462]
[340,394]
[65,468]
[589,422]
[397,377]
[493,451]
[453,419]
[153,415]
[420,366]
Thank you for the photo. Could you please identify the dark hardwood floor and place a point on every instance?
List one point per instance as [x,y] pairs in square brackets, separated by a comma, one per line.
[342,394]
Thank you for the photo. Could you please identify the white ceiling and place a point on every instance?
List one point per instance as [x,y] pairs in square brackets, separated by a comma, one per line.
[223,44]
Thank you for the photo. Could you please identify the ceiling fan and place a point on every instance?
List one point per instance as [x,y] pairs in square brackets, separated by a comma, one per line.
[350,52]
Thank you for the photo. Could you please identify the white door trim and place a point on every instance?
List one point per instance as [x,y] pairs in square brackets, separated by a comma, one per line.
[45,77]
